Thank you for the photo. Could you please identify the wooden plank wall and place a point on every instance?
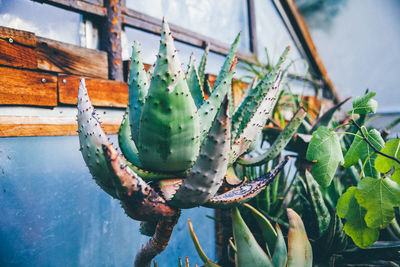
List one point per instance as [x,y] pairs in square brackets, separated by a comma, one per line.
[40,72]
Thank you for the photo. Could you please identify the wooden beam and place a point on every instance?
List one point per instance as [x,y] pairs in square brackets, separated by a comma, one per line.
[56,56]
[251,11]
[13,126]
[105,93]
[86,6]
[24,87]
[112,39]
[298,23]
[17,48]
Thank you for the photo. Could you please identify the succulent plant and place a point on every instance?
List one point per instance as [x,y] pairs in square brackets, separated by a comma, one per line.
[176,145]
[273,252]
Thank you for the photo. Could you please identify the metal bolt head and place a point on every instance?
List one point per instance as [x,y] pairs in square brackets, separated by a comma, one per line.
[10,40]
[43,80]
[64,81]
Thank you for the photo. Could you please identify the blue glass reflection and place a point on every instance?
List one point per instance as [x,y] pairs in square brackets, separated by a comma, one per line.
[221,20]
[44,20]
[53,213]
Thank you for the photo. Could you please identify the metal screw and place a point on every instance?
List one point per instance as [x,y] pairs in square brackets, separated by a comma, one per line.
[10,40]
[64,81]
[43,80]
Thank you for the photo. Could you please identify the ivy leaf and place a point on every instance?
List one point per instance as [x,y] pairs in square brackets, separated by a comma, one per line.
[378,196]
[359,149]
[384,164]
[355,226]
[324,149]
[365,104]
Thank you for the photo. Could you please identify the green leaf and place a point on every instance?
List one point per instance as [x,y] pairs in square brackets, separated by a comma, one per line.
[384,164]
[321,212]
[365,104]
[378,196]
[299,248]
[280,256]
[325,151]
[349,209]
[249,251]
[360,149]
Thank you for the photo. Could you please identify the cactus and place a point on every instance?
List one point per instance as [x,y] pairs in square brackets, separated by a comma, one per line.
[248,252]
[174,138]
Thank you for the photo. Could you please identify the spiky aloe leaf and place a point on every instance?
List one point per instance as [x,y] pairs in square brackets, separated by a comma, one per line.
[129,150]
[207,173]
[169,131]
[125,141]
[194,82]
[299,248]
[138,199]
[246,191]
[229,61]
[253,99]
[249,252]
[202,65]
[138,87]
[91,139]
[280,143]
[256,123]
[209,109]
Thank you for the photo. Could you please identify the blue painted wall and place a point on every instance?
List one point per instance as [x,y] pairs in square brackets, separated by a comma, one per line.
[54,214]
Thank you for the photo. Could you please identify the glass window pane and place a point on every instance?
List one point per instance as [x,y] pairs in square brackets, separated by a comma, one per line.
[221,20]
[54,214]
[150,43]
[358,42]
[273,36]
[48,21]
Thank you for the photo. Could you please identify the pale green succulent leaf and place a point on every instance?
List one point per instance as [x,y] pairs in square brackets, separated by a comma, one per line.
[280,255]
[379,197]
[202,65]
[299,248]
[267,230]
[125,141]
[206,175]
[325,151]
[280,142]
[249,252]
[138,87]
[355,226]
[169,124]
[194,82]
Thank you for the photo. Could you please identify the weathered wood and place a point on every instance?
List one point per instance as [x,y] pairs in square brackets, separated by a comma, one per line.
[102,92]
[298,23]
[47,126]
[112,39]
[87,6]
[24,87]
[16,55]
[18,37]
[66,58]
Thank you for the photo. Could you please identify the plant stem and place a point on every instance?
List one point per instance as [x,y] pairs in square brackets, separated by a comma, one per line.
[158,242]
[372,146]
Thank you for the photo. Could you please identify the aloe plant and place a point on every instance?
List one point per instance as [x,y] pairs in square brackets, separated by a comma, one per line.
[177,146]
[273,250]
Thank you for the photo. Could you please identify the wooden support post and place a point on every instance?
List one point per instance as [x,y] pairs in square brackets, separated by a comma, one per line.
[251,11]
[112,39]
